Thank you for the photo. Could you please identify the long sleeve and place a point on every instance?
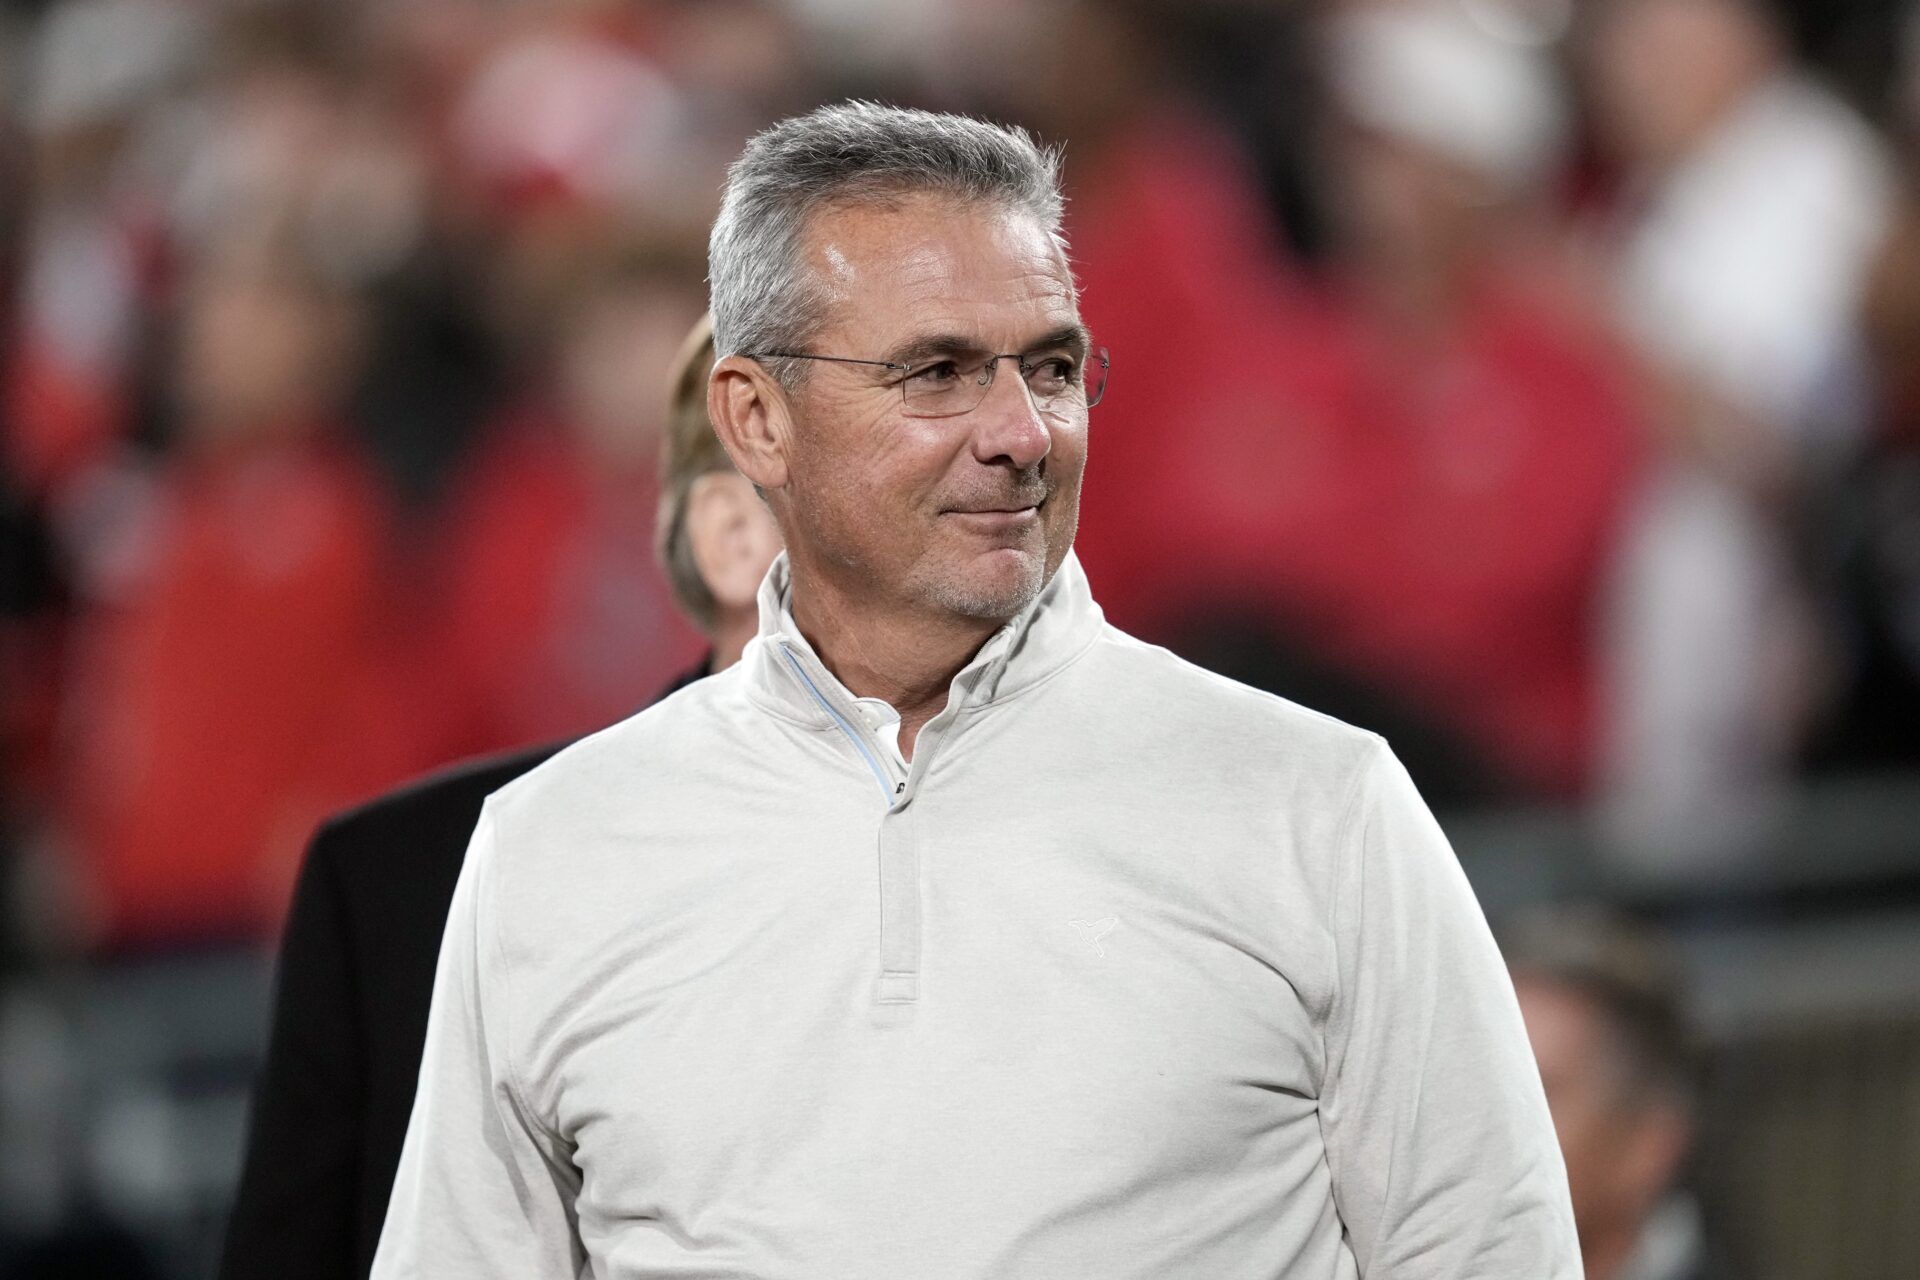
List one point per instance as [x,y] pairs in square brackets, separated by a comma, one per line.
[1442,1151]
[484,1190]
[294,1214]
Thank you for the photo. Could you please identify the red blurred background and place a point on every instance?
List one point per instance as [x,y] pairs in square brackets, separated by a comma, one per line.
[1531,381]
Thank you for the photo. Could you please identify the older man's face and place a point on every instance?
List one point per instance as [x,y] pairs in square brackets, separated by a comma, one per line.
[969,514]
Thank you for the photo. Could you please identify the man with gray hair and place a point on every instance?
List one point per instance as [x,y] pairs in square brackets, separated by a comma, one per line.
[953,933]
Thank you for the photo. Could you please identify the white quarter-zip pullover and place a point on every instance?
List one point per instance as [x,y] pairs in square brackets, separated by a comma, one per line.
[1133,973]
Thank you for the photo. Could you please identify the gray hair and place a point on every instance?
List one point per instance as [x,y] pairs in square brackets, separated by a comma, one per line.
[762,295]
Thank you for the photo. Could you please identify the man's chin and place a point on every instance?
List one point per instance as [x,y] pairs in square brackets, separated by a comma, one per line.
[992,585]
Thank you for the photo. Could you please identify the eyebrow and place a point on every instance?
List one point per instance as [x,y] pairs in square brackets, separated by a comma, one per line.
[1072,337]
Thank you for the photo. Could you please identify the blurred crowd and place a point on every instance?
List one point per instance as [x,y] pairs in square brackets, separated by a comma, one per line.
[1528,381]
[1536,382]
[1531,381]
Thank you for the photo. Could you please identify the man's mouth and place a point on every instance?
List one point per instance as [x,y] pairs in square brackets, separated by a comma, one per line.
[997,518]
[1001,506]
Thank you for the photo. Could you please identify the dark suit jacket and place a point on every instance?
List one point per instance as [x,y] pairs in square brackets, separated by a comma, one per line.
[349,1021]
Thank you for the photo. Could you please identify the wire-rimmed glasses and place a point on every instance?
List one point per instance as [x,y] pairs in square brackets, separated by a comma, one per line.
[1060,384]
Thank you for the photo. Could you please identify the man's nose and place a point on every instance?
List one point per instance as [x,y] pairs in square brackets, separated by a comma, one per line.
[1007,425]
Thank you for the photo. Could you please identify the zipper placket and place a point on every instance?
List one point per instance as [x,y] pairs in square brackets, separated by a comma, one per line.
[897,858]
[861,744]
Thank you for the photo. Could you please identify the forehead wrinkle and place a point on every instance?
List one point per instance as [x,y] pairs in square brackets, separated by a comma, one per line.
[911,275]
[984,316]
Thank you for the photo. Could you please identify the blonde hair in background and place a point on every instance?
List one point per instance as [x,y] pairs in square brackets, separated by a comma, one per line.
[688,450]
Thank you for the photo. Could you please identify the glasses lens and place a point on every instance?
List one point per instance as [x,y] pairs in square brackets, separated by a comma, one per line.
[941,388]
[1094,376]
[1063,389]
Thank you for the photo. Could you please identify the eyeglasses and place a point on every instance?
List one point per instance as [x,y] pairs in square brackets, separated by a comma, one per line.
[1060,385]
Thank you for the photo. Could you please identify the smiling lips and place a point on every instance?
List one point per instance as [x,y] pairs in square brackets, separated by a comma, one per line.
[997,519]
[1003,505]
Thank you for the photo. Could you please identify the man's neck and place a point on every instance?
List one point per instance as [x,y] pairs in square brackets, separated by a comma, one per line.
[907,661]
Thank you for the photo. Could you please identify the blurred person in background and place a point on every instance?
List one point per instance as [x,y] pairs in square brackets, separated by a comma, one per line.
[1752,203]
[356,966]
[226,677]
[557,619]
[92,257]
[569,111]
[1465,440]
[1402,507]
[211,201]
[1606,1013]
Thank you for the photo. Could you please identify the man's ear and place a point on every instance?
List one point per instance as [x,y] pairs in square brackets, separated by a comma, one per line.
[750,414]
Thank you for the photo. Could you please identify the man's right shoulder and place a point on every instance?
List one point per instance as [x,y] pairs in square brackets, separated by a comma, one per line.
[623,768]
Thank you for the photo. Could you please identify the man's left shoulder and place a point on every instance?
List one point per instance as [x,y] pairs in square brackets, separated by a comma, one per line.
[1186,703]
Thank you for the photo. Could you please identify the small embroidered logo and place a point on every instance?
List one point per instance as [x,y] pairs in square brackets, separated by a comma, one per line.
[1095,930]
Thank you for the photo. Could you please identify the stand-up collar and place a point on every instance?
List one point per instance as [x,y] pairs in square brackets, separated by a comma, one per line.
[1044,637]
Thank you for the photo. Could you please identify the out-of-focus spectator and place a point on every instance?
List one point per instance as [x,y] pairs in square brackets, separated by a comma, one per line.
[1394,497]
[93,240]
[1606,1014]
[738,64]
[558,620]
[1753,201]
[1500,442]
[225,689]
[568,107]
